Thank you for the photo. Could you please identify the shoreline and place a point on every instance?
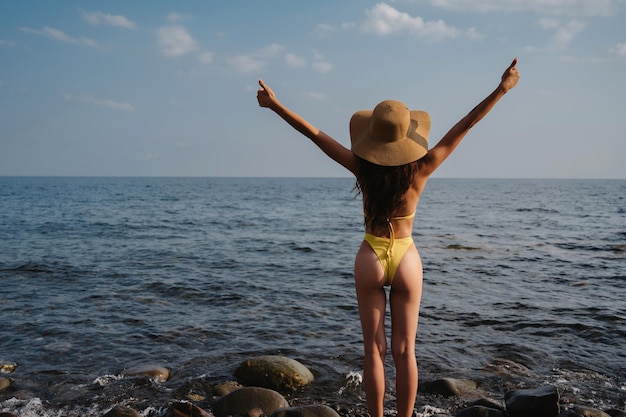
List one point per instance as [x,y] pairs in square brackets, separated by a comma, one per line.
[154,389]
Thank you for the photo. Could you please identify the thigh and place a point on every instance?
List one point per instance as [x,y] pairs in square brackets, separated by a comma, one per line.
[369,282]
[405,297]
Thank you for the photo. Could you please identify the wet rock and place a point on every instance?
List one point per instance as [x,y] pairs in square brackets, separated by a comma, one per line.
[195,397]
[479,411]
[255,412]
[154,372]
[306,411]
[580,411]
[274,372]
[226,388]
[616,413]
[121,411]
[243,400]
[489,403]
[195,390]
[7,367]
[7,415]
[447,386]
[537,402]
[4,383]
[185,409]
[482,407]
[507,367]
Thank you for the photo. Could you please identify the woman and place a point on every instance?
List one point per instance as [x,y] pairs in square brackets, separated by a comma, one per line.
[391,162]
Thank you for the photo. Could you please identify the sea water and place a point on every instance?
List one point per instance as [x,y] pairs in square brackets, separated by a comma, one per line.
[524,286]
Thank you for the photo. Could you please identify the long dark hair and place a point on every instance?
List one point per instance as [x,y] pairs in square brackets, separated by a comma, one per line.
[383,190]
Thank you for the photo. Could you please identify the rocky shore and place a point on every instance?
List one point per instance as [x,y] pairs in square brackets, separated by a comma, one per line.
[268,386]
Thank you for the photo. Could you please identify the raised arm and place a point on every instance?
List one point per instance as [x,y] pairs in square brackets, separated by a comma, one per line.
[330,146]
[450,140]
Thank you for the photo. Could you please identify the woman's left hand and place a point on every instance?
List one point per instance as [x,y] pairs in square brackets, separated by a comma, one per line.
[510,76]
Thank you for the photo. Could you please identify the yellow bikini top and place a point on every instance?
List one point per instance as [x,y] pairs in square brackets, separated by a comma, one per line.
[407,217]
[391,231]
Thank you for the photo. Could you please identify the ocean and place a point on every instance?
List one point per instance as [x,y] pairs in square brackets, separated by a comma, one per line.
[524,286]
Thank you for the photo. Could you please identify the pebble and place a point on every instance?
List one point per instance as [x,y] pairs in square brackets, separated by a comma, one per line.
[274,372]
[121,411]
[7,367]
[185,409]
[479,411]
[537,402]
[227,387]
[4,383]
[581,411]
[447,386]
[243,400]
[154,372]
[306,411]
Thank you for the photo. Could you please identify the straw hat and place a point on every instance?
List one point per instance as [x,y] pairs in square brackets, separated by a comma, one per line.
[390,135]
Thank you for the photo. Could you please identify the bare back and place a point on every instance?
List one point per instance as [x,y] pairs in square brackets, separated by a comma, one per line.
[403,227]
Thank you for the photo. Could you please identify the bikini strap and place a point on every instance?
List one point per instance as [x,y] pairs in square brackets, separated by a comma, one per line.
[409,216]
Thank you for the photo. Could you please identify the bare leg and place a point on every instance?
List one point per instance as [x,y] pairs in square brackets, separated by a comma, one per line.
[405,297]
[369,282]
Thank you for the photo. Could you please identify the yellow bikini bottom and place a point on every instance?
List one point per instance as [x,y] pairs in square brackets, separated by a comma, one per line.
[390,252]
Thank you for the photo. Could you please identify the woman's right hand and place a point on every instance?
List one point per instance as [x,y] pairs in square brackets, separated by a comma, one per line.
[265,96]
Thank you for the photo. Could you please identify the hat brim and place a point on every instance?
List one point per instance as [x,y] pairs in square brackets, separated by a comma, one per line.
[401,152]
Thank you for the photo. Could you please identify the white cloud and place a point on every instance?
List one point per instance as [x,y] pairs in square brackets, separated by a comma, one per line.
[176,17]
[324,29]
[258,61]
[175,41]
[315,96]
[60,36]
[619,50]
[318,63]
[99,18]
[295,61]
[322,66]
[6,43]
[255,62]
[246,64]
[563,34]
[472,34]
[270,50]
[544,7]
[116,105]
[583,59]
[383,19]
[317,55]
[548,23]
[205,57]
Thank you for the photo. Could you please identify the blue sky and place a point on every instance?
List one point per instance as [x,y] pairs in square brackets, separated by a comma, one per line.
[156,88]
